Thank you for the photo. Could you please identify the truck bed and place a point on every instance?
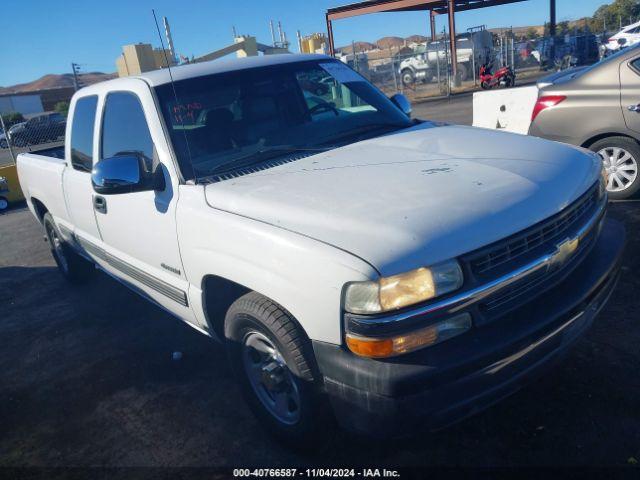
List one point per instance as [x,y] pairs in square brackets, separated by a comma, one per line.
[41,178]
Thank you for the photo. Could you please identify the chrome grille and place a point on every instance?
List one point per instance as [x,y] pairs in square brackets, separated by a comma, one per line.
[506,252]
[541,280]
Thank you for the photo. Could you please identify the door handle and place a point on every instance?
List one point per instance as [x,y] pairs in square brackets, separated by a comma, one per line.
[634,108]
[100,204]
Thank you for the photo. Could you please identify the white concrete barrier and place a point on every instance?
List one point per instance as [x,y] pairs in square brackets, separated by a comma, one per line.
[505,109]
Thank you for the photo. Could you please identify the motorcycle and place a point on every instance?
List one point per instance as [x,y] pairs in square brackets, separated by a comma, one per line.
[504,77]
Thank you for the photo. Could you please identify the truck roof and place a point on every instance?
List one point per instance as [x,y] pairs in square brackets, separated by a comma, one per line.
[182,72]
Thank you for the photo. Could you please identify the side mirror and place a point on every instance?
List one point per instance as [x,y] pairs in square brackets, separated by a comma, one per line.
[403,103]
[622,41]
[125,174]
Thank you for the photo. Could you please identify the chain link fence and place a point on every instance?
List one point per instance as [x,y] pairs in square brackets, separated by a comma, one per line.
[424,70]
[26,133]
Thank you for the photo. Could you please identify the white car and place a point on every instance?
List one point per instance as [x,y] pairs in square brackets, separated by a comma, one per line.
[628,36]
[391,272]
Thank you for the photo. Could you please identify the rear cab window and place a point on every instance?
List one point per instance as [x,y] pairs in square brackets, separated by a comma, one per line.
[84,116]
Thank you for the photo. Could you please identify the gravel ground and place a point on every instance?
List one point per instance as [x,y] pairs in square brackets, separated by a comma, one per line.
[87,378]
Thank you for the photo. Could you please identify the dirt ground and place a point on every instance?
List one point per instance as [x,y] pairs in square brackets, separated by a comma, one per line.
[87,378]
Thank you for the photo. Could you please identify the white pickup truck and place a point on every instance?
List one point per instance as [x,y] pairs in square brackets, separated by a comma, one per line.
[356,264]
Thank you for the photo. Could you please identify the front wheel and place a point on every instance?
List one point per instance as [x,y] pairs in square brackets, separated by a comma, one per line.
[73,267]
[4,203]
[408,78]
[275,367]
[620,156]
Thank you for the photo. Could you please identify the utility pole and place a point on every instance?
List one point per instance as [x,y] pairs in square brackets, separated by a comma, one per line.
[273,35]
[552,30]
[76,71]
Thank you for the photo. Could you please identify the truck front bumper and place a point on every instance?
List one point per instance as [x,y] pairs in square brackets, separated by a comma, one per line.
[445,383]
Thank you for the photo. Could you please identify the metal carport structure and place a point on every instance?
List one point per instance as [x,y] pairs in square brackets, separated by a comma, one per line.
[435,7]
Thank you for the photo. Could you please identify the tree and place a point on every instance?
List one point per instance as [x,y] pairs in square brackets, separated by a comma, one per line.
[11,118]
[532,33]
[562,28]
[62,108]
[610,17]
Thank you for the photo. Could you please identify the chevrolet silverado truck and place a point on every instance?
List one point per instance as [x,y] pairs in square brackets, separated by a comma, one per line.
[355,263]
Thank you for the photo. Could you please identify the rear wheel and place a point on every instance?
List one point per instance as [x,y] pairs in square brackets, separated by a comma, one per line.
[510,81]
[4,203]
[620,156]
[275,367]
[73,267]
[463,71]
[408,78]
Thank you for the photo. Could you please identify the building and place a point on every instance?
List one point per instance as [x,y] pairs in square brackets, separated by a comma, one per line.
[25,103]
[242,46]
[142,57]
[314,43]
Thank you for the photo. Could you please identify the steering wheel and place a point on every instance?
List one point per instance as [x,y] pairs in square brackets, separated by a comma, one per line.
[324,107]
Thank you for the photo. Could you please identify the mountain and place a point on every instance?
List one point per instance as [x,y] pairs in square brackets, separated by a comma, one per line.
[386,43]
[51,81]
[359,46]
[416,39]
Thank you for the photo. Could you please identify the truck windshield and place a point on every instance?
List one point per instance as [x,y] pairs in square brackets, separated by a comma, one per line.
[228,120]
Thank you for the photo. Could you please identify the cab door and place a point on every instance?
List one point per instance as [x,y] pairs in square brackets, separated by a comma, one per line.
[630,93]
[76,180]
[138,229]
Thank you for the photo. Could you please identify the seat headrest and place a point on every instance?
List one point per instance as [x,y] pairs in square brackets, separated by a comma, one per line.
[219,117]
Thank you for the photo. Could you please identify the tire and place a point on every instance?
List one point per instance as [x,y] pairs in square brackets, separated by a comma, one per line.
[3,143]
[74,268]
[274,364]
[4,204]
[463,71]
[621,158]
[485,85]
[408,78]
[510,82]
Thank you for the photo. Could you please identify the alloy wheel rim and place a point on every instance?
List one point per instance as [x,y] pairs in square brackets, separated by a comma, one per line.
[270,378]
[621,167]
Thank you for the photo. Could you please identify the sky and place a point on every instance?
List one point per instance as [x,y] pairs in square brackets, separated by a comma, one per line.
[43,37]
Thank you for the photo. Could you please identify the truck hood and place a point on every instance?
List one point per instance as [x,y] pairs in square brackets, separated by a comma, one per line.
[417,196]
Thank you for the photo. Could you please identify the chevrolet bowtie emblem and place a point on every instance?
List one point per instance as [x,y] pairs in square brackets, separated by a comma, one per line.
[564,250]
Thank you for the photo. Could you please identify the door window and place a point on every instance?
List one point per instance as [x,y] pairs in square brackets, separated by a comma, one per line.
[635,66]
[124,127]
[82,133]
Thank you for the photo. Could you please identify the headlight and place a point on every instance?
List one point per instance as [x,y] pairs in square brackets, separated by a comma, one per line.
[398,291]
[604,181]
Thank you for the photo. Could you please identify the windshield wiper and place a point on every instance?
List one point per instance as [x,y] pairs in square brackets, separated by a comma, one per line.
[262,155]
[360,132]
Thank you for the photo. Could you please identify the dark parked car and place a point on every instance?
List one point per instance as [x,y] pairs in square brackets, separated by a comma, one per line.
[41,129]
